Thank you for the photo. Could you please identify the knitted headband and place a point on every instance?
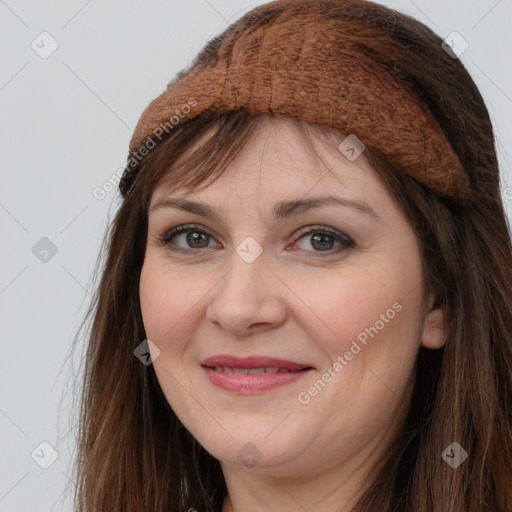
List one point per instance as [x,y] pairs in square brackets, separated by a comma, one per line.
[305,60]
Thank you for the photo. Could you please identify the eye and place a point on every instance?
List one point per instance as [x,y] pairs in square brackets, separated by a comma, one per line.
[192,235]
[322,239]
[319,239]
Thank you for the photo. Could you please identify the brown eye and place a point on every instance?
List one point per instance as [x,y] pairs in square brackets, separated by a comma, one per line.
[187,238]
[196,239]
[323,239]
[322,242]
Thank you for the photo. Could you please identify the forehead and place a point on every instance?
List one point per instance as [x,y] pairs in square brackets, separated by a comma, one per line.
[284,157]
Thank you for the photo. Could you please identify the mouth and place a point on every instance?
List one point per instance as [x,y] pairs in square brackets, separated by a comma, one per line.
[253,363]
[252,374]
[252,371]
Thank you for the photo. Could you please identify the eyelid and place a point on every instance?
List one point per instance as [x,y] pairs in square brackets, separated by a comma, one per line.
[335,233]
[168,234]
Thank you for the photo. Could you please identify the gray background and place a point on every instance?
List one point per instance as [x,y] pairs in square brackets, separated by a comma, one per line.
[65,126]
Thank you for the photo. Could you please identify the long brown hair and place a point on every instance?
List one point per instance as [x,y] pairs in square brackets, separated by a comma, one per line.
[134,455]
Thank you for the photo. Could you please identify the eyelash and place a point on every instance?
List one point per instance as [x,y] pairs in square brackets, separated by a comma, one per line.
[347,242]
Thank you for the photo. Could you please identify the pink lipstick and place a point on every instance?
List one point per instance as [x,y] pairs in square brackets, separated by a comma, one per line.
[252,374]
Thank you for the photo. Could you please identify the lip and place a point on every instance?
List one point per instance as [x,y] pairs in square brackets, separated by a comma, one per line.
[253,362]
[249,383]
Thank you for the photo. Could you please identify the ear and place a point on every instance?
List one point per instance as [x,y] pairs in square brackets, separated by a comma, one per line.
[434,326]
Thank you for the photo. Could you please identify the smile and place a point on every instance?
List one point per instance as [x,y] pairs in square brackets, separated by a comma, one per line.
[253,371]
[248,381]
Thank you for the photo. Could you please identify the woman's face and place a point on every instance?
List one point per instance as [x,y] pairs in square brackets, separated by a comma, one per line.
[327,293]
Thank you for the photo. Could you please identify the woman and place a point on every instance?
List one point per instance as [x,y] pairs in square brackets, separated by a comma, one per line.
[307,298]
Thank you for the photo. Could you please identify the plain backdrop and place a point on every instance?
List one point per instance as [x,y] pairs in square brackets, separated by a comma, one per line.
[65,122]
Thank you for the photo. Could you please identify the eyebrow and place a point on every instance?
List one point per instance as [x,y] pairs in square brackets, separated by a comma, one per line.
[281,210]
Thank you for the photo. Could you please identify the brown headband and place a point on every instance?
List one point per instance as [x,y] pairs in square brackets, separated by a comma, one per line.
[287,58]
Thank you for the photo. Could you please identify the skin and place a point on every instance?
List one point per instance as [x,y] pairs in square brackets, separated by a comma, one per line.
[304,305]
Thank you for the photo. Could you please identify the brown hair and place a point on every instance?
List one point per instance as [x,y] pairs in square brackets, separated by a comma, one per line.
[133,452]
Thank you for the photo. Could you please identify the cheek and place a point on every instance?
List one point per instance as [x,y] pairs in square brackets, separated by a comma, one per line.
[357,306]
[164,302]
[369,332]
[374,326]
[154,302]
[167,312]
[370,349]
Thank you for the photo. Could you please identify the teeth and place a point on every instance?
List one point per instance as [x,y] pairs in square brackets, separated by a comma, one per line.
[251,371]
[256,371]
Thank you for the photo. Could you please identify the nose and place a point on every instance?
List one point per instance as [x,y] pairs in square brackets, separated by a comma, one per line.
[248,299]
